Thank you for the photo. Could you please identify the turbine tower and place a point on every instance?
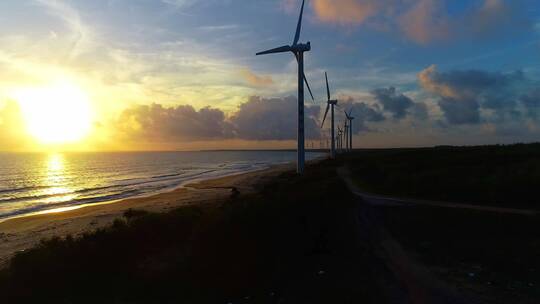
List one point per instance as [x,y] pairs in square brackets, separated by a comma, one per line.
[340,138]
[346,134]
[298,50]
[350,118]
[330,105]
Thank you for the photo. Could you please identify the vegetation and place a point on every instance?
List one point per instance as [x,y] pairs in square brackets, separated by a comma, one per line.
[492,175]
[491,255]
[307,240]
[286,242]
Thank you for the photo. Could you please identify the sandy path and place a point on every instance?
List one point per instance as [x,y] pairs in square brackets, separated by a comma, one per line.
[22,233]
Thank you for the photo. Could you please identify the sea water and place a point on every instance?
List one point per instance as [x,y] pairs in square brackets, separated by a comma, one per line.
[31,183]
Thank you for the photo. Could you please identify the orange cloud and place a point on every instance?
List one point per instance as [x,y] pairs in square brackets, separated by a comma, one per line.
[426,78]
[421,21]
[425,22]
[345,12]
[256,80]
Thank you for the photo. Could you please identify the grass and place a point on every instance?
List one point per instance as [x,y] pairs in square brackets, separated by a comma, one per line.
[487,175]
[495,256]
[489,254]
[293,241]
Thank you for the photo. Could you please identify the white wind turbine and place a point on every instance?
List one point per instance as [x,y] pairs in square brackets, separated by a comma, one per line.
[298,50]
[350,118]
[330,105]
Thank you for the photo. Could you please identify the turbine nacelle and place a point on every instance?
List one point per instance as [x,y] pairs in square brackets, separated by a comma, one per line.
[301,47]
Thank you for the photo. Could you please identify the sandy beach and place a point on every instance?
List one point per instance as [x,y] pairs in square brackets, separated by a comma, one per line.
[21,233]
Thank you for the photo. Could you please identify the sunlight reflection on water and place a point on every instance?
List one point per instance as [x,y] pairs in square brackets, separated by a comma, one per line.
[55,176]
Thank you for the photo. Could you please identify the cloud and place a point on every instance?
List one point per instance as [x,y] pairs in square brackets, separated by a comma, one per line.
[81,36]
[260,119]
[180,3]
[397,104]
[420,111]
[465,83]
[531,102]
[255,80]
[13,134]
[462,94]
[362,112]
[289,6]
[156,123]
[217,28]
[460,111]
[346,12]
[274,119]
[495,15]
[424,21]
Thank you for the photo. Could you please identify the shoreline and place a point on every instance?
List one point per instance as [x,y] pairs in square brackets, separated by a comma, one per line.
[20,233]
[182,184]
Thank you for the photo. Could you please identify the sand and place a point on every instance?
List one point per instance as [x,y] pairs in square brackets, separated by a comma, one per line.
[22,233]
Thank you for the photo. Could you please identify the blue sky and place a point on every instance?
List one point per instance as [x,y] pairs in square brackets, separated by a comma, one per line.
[419,72]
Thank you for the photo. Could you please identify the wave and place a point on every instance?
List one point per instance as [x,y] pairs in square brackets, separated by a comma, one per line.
[145,186]
[139,176]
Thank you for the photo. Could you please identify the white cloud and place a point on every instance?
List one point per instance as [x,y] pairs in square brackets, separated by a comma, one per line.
[180,3]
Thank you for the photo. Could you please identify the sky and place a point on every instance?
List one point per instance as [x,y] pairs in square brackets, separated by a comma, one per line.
[112,75]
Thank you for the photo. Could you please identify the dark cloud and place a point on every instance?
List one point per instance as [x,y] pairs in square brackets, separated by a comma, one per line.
[156,123]
[460,111]
[463,93]
[397,104]
[274,119]
[257,119]
[466,83]
[420,111]
[531,102]
[363,114]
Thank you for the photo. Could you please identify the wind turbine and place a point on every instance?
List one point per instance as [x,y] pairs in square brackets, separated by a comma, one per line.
[330,105]
[350,118]
[340,138]
[346,128]
[298,50]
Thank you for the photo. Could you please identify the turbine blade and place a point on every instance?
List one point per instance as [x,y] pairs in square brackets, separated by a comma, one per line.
[350,112]
[325,113]
[281,49]
[327,86]
[309,89]
[305,79]
[299,25]
[346,115]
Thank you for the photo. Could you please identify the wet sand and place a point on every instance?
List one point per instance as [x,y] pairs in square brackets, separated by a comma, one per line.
[22,233]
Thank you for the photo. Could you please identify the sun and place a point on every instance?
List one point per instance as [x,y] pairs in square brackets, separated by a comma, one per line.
[56,114]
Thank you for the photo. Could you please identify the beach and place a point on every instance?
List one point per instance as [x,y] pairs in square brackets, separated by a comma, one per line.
[22,233]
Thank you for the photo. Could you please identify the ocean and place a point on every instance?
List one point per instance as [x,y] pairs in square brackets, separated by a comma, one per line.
[33,183]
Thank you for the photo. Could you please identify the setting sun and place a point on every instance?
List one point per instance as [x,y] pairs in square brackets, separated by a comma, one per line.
[55,114]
